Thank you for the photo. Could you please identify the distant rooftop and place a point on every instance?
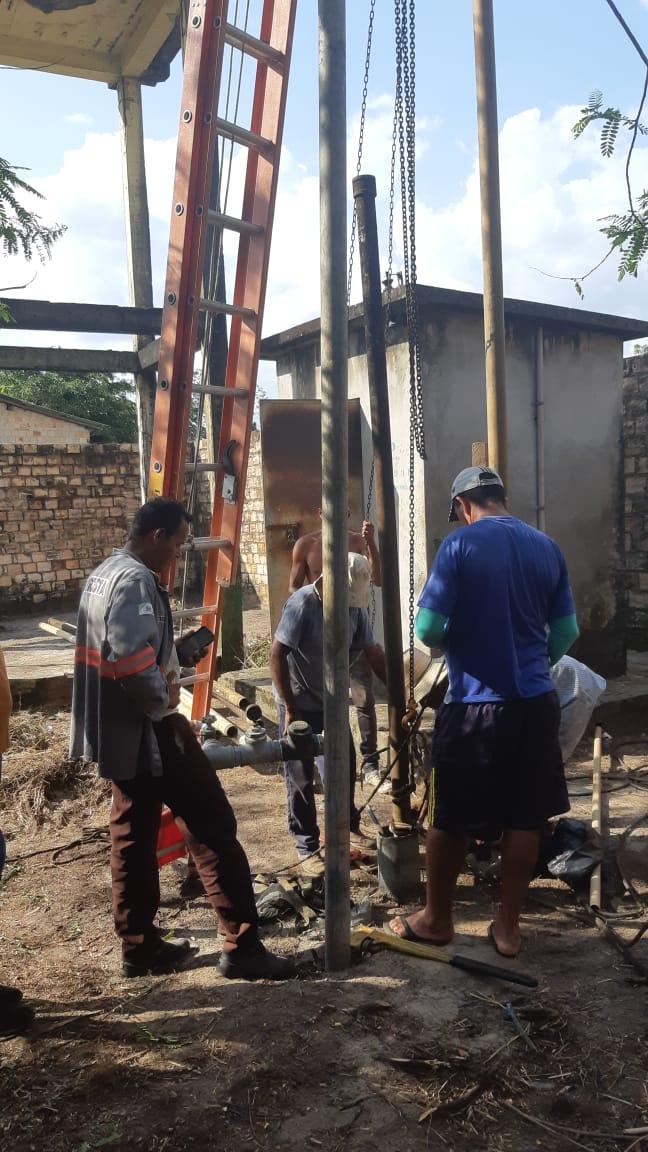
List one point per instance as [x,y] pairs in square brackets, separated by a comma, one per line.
[449,299]
[93,39]
[12,402]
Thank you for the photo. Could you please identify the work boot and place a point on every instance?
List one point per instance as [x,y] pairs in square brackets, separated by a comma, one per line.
[156,958]
[371,776]
[312,864]
[15,1017]
[254,962]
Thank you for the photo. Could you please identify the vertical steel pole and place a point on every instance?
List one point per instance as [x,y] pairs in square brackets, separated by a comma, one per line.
[491,226]
[334,353]
[364,194]
[138,246]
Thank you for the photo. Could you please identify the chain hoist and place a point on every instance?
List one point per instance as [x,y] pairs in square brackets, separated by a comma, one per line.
[354,228]
[404,135]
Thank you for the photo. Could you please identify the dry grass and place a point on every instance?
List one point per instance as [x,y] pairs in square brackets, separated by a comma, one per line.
[257,653]
[39,780]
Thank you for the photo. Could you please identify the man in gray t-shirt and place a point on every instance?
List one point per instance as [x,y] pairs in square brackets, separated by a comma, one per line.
[296,661]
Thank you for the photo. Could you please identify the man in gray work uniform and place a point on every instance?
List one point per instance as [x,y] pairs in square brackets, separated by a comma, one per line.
[125,691]
[297,665]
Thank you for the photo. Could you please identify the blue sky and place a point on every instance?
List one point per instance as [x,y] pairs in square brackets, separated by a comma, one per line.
[550,56]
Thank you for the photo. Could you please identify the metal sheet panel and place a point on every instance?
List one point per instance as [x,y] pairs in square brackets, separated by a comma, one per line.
[291,450]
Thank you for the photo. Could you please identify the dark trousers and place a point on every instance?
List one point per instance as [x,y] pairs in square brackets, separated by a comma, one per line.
[364,702]
[299,776]
[190,788]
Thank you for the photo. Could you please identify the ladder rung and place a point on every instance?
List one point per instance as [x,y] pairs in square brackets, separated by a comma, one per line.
[203,466]
[234,223]
[218,390]
[197,678]
[220,308]
[253,47]
[206,544]
[243,136]
[203,610]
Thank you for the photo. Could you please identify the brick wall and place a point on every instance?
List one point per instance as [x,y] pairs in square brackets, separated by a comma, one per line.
[22,426]
[254,571]
[61,512]
[635,445]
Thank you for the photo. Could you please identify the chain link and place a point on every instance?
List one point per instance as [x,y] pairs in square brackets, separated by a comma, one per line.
[404,135]
[363,117]
[354,228]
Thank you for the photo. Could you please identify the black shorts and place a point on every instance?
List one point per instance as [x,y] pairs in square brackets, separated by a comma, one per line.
[497,766]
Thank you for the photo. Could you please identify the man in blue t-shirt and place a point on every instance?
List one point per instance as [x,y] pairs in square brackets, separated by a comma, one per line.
[499,604]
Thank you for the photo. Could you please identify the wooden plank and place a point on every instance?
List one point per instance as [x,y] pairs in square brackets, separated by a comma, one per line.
[67,359]
[52,316]
[596,879]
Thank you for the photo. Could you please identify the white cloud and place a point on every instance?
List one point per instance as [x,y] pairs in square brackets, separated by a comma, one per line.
[78,118]
[554,190]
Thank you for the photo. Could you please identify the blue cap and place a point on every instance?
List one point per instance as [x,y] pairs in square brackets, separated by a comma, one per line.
[468,480]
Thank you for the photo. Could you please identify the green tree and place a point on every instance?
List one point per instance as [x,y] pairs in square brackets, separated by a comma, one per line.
[104,399]
[626,231]
[22,231]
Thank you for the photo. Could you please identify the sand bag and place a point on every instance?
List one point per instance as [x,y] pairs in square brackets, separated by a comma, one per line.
[579,691]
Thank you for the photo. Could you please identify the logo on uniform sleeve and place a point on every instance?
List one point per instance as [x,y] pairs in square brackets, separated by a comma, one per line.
[95,586]
[146,610]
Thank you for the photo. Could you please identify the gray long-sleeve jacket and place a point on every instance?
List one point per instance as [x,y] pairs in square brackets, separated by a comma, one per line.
[124,641]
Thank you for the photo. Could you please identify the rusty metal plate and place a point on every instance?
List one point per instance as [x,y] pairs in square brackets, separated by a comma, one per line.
[291,453]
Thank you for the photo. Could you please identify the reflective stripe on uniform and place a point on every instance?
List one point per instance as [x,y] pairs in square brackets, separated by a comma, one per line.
[115,669]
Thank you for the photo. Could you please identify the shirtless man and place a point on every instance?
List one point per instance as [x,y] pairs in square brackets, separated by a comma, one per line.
[306,568]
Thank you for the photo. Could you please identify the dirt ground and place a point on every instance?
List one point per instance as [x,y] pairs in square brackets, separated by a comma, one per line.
[395,1053]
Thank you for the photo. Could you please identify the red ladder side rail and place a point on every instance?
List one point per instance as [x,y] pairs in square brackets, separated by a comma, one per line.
[268,111]
[196,136]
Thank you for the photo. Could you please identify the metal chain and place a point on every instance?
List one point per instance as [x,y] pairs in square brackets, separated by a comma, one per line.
[405,135]
[354,226]
[363,117]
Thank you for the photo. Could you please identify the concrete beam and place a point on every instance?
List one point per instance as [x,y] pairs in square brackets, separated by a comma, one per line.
[67,360]
[55,316]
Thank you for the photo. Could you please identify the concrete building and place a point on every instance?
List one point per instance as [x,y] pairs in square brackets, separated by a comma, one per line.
[23,423]
[569,359]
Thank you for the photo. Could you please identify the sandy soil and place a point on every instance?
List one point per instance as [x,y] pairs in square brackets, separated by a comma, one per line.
[395,1053]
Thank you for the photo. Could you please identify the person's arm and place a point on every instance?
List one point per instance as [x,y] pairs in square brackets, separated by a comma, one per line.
[132,634]
[563,631]
[430,627]
[281,679]
[563,625]
[299,569]
[372,553]
[438,599]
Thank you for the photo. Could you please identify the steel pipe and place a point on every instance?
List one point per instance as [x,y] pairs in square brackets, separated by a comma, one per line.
[334,387]
[364,194]
[491,225]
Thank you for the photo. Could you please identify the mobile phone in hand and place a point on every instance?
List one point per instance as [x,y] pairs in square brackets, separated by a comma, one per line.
[189,647]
